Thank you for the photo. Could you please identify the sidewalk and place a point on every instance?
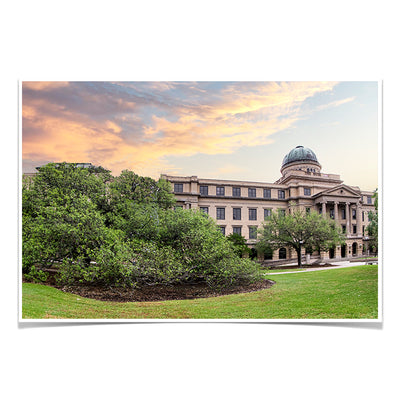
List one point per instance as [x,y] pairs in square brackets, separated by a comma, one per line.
[335,265]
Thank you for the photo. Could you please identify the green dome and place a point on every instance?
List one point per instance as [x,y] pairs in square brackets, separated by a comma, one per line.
[299,154]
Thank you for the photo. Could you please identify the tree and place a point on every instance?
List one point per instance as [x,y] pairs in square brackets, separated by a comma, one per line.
[297,230]
[239,244]
[372,228]
[122,232]
[141,190]
[61,215]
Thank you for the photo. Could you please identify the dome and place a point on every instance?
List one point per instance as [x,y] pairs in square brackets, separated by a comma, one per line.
[300,154]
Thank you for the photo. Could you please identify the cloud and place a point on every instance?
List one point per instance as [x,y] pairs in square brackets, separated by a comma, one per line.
[137,125]
[336,103]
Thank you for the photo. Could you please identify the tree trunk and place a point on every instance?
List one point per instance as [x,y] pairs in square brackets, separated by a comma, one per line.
[298,257]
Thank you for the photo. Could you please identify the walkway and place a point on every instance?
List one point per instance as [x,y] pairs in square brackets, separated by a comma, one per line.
[335,265]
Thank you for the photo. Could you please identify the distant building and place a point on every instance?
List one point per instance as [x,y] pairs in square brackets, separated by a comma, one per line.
[241,206]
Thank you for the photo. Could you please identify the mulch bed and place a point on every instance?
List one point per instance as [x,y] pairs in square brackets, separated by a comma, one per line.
[159,292]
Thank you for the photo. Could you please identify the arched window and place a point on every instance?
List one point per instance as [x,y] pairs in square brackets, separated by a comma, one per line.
[343,251]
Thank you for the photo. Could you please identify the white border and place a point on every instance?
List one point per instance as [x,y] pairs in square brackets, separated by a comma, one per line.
[27,322]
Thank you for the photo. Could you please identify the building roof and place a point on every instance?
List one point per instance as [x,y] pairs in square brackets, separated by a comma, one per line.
[299,154]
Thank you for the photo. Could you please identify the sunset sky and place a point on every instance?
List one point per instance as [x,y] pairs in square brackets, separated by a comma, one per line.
[228,130]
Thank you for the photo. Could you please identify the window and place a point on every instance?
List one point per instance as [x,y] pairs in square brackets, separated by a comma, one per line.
[237,214]
[252,232]
[354,229]
[236,192]
[177,207]
[222,229]
[220,213]
[220,191]
[282,253]
[353,213]
[252,214]
[363,230]
[281,194]
[307,192]
[204,190]
[252,192]
[363,216]
[343,213]
[369,200]
[237,230]
[308,210]
[267,213]
[204,209]
[332,213]
[267,193]
[178,187]
[343,228]
[282,213]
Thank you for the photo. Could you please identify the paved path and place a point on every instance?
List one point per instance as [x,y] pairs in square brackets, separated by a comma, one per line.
[335,265]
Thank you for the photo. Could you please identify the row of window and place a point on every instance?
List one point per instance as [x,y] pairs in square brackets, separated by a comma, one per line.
[236,191]
[343,214]
[237,213]
[238,230]
[253,230]
[354,229]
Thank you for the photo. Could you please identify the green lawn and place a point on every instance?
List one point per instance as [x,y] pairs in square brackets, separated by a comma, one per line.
[335,294]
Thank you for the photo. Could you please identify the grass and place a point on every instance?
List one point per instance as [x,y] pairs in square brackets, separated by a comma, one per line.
[335,294]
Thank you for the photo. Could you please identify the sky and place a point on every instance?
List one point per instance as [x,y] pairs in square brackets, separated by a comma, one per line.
[227,130]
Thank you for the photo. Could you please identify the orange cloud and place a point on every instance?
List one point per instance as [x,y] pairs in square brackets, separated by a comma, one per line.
[43,85]
[243,114]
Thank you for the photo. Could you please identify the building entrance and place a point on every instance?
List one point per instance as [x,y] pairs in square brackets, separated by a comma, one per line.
[354,248]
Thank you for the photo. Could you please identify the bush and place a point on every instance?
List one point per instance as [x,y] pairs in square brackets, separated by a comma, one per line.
[124,236]
[36,275]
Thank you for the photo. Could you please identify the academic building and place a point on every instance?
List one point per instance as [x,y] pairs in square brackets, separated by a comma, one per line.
[241,207]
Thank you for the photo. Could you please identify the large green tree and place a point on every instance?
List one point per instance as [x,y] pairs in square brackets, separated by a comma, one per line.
[299,230]
[124,231]
[62,214]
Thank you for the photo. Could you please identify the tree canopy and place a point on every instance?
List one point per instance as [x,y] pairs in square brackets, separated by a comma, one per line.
[299,229]
[98,229]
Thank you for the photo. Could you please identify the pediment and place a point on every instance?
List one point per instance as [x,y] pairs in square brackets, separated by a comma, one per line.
[339,191]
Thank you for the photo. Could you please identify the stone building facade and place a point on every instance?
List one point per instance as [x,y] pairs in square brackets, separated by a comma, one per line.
[241,206]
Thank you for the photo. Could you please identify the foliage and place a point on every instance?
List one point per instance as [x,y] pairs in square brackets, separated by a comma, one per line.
[121,231]
[372,228]
[299,229]
[141,190]
[239,244]
[36,275]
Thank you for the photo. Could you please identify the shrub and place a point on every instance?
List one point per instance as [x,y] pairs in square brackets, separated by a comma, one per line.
[36,275]
[126,235]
